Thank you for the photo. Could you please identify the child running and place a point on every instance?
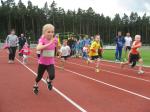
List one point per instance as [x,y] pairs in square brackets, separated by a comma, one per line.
[25,51]
[134,55]
[46,45]
[64,52]
[85,52]
[93,53]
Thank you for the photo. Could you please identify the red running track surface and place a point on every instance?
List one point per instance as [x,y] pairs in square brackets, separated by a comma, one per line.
[111,90]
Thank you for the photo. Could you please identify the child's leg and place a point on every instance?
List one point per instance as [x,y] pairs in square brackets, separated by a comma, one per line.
[62,62]
[97,64]
[127,62]
[25,59]
[51,75]
[133,63]
[41,70]
[140,64]
[51,72]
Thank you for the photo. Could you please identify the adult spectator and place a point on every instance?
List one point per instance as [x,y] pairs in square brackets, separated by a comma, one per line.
[119,41]
[12,41]
[22,41]
[128,42]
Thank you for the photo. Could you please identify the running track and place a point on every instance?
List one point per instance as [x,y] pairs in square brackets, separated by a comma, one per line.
[76,88]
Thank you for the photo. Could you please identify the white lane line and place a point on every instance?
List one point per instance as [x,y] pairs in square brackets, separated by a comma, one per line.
[104,83]
[123,68]
[121,89]
[58,91]
[115,62]
[111,72]
[123,75]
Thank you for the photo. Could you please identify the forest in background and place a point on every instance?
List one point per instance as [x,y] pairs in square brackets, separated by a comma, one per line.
[30,19]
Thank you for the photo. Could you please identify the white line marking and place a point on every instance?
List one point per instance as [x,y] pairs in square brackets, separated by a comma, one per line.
[60,93]
[118,67]
[132,77]
[111,72]
[121,89]
[115,62]
[127,91]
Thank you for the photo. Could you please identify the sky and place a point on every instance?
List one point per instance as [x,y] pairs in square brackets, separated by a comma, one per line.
[107,7]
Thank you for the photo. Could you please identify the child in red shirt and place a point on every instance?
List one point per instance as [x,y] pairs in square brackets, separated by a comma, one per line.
[25,51]
[134,55]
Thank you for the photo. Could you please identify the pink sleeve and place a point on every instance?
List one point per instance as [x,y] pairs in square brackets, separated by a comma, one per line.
[56,40]
[40,41]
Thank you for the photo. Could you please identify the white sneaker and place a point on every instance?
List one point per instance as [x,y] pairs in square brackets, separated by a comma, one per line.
[140,72]
[122,64]
[97,70]
[116,61]
[9,61]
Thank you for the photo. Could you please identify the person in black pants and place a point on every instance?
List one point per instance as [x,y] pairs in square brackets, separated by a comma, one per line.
[22,41]
[12,41]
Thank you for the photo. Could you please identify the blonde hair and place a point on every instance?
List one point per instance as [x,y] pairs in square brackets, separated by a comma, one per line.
[46,27]
[137,36]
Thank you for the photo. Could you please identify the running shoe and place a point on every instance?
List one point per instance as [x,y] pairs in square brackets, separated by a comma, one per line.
[49,85]
[35,90]
[97,70]
[140,72]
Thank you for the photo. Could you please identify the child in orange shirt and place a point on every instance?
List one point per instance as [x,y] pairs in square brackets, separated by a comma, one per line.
[134,55]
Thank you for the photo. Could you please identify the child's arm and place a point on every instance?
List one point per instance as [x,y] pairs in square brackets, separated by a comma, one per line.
[92,48]
[137,46]
[40,46]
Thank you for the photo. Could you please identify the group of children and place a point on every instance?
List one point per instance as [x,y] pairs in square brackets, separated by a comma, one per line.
[48,44]
[46,51]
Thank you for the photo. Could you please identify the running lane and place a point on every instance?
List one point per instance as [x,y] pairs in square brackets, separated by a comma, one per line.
[94,96]
[16,94]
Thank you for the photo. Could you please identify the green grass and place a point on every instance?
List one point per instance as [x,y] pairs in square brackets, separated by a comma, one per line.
[110,55]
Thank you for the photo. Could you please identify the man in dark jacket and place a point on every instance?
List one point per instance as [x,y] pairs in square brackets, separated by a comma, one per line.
[119,41]
[22,41]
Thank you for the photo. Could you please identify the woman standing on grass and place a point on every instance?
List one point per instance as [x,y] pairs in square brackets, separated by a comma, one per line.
[11,42]
[46,45]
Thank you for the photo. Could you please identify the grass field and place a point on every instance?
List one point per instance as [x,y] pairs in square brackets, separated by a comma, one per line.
[110,55]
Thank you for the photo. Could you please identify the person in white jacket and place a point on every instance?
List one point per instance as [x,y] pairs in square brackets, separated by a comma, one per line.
[64,52]
[128,43]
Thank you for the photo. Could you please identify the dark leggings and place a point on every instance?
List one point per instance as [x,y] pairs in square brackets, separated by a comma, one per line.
[12,53]
[133,63]
[41,69]
[20,47]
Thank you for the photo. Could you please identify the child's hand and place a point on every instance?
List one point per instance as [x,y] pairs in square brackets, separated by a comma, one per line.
[52,41]
[59,56]
[93,50]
